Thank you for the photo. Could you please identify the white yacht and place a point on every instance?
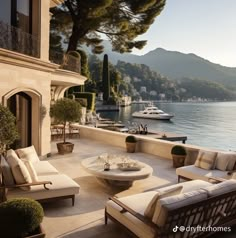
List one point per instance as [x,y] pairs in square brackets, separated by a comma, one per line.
[152,112]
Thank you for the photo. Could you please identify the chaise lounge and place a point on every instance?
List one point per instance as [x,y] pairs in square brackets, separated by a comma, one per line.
[188,205]
[24,175]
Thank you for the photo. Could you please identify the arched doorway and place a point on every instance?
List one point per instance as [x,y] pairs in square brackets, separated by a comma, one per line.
[25,103]
[20,105]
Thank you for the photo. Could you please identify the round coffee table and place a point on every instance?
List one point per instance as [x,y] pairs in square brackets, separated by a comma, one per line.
[115,176]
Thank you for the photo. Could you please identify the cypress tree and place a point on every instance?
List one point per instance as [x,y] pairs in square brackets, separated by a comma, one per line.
[105,79]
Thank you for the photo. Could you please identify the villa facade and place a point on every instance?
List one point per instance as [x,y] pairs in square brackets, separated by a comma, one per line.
[31,76]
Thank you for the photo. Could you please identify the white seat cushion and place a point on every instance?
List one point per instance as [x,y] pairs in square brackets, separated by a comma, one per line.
[28,153]
[138,203]
[62,185]
[44,168]
[194,172]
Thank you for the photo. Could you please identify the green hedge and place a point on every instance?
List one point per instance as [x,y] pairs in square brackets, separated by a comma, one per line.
[90,99]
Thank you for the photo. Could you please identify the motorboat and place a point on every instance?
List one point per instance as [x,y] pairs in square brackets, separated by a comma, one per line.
[153,112]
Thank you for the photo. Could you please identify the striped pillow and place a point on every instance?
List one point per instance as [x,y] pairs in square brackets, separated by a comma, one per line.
[206,159]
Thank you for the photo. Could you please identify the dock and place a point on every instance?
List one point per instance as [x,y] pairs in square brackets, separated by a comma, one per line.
[165,136]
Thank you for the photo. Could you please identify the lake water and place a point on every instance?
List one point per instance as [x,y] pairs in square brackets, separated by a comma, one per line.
[210,125]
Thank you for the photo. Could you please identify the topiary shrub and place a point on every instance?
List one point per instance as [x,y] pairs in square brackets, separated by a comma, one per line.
[178,150]
[20,217]
[66,110]
[131,139]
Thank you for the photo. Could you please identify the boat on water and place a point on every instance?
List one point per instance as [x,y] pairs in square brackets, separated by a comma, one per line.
[153,112]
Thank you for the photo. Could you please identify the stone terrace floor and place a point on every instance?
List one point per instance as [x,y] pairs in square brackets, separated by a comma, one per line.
[86,218]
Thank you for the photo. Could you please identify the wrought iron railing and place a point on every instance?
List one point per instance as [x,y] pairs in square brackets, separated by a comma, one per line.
[14,39]
[68,61]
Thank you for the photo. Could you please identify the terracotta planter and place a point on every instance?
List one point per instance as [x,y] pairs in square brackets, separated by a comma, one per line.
[65,148]
[178,160]
[130,147]
[39,233]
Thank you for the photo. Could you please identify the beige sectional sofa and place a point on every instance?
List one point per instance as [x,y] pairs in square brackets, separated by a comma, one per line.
[209,164]
[33,178]
[160,213]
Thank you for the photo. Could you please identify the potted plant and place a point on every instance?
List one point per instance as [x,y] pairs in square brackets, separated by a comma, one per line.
[65,111]
[130,143]
[8,130]
[178,154]
[21,217]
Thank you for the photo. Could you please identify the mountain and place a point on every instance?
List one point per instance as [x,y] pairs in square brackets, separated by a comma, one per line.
[177,65]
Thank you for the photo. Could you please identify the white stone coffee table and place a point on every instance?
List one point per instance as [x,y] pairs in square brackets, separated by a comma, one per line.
[115,176]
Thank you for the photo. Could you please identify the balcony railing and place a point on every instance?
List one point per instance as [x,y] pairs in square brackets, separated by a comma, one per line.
[68,61]
[14,39]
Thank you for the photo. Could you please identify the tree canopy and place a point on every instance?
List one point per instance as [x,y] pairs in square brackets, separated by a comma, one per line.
[121,21]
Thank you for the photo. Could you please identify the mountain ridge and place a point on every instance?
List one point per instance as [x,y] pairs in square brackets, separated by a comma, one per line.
[176,65]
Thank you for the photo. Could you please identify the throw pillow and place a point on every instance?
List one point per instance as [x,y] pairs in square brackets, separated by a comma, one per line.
[12,158]
[7,174]
[28,153]
[225,161]
[191,157]
[21,174]
[206,159]
[232,159]
[31,170]
[149,211]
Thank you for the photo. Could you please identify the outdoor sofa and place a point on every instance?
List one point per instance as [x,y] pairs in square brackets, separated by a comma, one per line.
[209,165]
[24,175]
[176,211]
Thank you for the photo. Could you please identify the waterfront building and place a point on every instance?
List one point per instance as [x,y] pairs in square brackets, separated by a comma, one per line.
[31,76]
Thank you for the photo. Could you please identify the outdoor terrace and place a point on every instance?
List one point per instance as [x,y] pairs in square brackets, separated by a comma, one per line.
[86,218]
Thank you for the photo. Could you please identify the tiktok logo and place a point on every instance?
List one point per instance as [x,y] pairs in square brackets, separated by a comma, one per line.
[180,228]
[175,229]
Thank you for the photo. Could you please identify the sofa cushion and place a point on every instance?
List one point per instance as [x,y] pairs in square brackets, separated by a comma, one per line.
[191,157]
[225,161]
[19,170]
[206,159]
[167,204]
[193,172]
[138,203]
[221,188]
[31,170]
[62,185]
[149,211]
[28,153]
[21,174]
[187,186]
[12,158]
[44,168]
[7,173]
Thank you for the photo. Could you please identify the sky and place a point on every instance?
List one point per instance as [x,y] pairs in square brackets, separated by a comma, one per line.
[206,28]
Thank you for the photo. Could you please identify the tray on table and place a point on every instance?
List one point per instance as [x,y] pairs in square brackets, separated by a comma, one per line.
[128,167]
